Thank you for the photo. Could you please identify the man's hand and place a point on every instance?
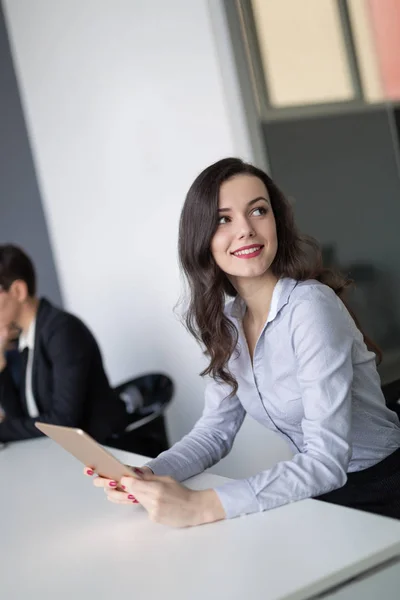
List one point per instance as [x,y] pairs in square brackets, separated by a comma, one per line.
[8,335]
[4,341]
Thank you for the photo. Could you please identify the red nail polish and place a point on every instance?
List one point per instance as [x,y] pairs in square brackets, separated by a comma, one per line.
[113,484]
[130,497]
[89,472]
[123,487]
[138,471]
[135,501]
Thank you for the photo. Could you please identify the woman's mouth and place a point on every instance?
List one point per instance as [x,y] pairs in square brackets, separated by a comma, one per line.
[248,251]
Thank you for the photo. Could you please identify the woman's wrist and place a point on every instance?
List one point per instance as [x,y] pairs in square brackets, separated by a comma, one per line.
[210,506]
[146,469]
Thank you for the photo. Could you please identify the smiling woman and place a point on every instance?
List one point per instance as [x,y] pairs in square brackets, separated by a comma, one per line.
[246,228]
[230,207]
[285,350]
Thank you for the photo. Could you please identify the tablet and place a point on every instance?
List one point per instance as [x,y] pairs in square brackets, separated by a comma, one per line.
[89,452]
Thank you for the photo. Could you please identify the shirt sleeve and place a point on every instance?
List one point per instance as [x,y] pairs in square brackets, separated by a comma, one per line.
[209,441]
[322,335]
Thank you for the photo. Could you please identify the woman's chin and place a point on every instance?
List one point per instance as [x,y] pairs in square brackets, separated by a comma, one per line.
[251,273]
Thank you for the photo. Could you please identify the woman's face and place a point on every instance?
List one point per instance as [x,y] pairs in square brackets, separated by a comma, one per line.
[245,243]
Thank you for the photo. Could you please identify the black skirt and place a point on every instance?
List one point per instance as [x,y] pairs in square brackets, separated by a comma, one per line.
[375,490]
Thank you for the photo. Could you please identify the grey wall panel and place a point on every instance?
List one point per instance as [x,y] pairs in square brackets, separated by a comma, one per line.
[22,219]
[342,174]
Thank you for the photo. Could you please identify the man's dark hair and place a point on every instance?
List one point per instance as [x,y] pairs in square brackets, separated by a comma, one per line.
[15,264]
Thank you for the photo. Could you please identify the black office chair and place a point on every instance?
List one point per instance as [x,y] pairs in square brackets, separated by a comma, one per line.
[391,391]
[146,399]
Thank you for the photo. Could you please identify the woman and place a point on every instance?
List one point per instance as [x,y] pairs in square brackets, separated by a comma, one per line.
[286,350]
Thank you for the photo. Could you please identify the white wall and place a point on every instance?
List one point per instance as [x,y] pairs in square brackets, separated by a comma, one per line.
[126,101]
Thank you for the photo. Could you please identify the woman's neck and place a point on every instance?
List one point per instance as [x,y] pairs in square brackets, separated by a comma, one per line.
[257,295]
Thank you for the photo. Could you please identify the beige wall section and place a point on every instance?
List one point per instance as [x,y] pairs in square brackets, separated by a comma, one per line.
[303,51]
[366,52]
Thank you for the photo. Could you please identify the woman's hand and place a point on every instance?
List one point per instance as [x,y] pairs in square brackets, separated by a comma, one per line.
[170,503]
[166,501]
[111,486]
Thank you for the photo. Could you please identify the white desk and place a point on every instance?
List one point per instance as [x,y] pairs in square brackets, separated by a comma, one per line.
[60,539]
[383,582]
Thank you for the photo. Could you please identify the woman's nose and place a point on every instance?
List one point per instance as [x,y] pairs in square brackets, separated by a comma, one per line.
[245,229]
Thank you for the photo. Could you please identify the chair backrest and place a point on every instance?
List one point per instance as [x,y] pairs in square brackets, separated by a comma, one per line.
[146,394]
[391,391]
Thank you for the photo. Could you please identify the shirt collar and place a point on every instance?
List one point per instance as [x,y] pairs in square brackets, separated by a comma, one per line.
[280,297]
[27,340]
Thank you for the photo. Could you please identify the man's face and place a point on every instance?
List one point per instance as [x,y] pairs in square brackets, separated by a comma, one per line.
[10,305]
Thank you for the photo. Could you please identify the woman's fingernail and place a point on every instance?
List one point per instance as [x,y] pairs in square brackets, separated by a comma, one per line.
[123,487]
[89,472]
[135,501]
[130,497]
[138,471]
[112,484]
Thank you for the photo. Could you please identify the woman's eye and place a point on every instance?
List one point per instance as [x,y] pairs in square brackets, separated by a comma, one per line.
[223,220]
[259,211]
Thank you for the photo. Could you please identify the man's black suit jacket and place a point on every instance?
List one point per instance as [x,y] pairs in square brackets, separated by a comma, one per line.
[69,383]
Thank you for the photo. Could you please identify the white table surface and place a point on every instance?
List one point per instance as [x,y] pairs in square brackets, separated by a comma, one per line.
[60,539]
[382,582]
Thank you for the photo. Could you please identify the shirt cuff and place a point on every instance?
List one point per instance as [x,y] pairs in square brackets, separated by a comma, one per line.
[160,466]
[237,498]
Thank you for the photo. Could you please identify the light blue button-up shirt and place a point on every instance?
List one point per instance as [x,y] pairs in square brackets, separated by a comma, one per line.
[312,381]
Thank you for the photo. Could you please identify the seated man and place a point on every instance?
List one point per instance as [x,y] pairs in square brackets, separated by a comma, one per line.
[60,378]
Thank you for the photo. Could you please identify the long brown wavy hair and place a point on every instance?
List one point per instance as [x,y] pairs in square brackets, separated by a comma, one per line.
[298,256]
